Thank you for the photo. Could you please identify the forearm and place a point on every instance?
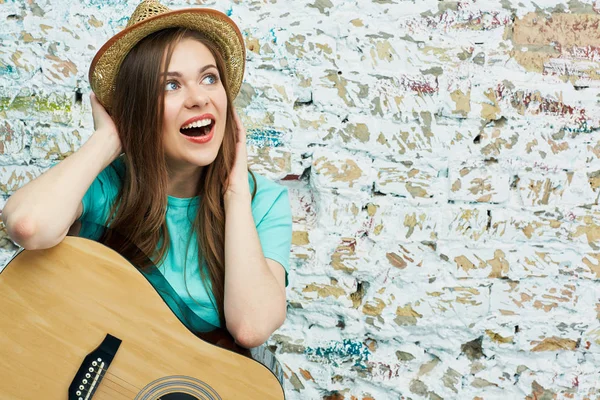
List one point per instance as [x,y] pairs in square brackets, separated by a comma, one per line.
[39,214]
[254,299]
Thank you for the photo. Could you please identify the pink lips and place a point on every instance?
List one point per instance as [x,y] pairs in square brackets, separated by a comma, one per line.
[198,118]
[202,139]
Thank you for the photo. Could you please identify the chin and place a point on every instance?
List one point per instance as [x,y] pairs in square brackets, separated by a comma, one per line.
[202,161]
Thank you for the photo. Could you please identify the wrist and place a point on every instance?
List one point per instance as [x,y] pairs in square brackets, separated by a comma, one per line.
[108,143]
[236,200]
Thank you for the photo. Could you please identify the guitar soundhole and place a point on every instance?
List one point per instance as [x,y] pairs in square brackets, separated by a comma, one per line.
[178,396]
[178,388]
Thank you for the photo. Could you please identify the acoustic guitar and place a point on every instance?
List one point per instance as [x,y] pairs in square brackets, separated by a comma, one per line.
[79,321]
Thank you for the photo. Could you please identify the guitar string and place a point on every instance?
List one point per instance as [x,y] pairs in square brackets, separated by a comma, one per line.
[104,372]
[112,381]
[101,389]
[87,387]
[103,377]
[111,395]
[111,398]
[107,383]
[102,392]
[103,395]
[98,395]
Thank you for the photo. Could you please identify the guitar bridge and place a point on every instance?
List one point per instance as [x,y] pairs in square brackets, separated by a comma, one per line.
[93,368]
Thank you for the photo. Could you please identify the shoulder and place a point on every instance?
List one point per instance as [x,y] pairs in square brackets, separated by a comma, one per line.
[266,189]
[264,185]
[270,196]
[101,194]
[116,169]
[113,174]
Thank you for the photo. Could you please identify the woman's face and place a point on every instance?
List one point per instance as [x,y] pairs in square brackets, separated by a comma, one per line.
[195,107]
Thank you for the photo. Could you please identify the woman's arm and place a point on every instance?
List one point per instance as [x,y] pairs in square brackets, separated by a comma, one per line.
[255,301]
[39,214]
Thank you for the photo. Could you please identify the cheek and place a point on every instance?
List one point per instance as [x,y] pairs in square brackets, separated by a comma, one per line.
[221,100]
[169,119]
[169,130]
[220,103]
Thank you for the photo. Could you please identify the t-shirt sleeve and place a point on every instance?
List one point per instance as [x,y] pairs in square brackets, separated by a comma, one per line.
[275,227]
[99,197]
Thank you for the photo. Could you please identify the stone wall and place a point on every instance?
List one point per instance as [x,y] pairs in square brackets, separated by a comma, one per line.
[443,160]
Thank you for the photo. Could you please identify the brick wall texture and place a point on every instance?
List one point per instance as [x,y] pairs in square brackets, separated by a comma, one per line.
[443,160]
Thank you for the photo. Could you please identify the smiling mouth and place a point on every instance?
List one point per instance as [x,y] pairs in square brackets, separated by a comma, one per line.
[195,131]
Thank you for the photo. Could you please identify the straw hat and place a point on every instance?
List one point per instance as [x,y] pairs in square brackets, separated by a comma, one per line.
[151,16]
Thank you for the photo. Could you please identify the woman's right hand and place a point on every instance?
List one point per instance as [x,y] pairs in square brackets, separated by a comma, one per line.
[104,123]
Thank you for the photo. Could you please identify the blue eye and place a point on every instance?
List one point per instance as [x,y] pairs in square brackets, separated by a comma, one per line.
[171,85]
[211,79]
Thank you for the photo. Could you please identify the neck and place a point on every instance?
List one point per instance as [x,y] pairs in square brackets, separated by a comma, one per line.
[183,181]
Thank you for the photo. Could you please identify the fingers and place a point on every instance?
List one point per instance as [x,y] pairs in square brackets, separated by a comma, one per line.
[96,106]
[241,131]
[94,103]
[98,112]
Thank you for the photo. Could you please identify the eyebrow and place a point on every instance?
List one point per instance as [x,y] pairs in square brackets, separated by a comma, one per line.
[179,75]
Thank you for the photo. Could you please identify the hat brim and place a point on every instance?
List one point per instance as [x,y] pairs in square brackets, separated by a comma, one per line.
[217,27]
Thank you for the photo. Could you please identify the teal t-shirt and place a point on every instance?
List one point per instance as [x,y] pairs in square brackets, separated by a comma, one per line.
[272,216]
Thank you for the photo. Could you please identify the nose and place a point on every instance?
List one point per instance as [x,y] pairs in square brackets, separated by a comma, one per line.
[196,97]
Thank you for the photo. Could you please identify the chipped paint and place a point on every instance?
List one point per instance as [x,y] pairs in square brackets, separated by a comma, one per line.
[555,343]
[406,315]
[35,103]
[337,353]
[265,137]
[442,163]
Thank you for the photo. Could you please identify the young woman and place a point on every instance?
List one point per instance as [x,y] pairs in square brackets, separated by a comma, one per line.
[166,167]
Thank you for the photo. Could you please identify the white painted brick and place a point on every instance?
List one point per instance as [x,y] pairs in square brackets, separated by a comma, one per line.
[14,137]
[342,171]
[474,182]
[395,221]
[419,184]
[369,118]
[13,177]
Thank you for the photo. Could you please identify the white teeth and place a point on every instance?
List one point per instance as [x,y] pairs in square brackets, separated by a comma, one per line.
[198,124]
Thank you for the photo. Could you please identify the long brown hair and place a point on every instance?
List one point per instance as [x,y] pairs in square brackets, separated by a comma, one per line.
[140,209]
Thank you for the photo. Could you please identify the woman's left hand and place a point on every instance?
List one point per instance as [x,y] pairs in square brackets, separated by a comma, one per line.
[237,185]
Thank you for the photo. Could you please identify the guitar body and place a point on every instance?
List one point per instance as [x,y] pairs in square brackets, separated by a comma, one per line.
[59,305]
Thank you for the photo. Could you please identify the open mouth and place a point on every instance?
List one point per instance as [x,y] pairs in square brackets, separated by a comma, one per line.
[198,128]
